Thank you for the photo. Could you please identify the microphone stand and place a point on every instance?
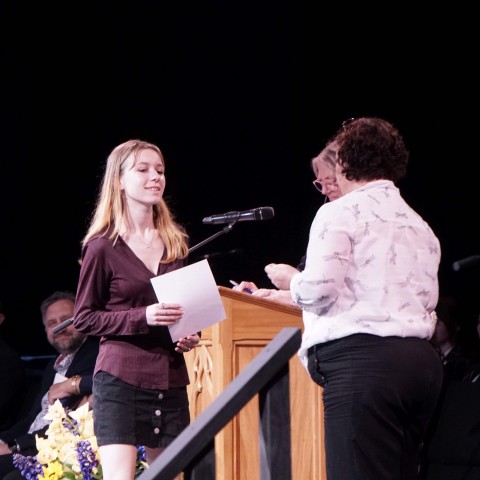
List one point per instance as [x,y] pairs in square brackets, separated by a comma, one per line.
[225,229]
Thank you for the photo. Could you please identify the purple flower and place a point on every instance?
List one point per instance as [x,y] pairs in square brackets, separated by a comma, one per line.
[28,466]
[86,459]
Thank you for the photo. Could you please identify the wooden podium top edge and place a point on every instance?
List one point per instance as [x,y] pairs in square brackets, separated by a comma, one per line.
[263,302]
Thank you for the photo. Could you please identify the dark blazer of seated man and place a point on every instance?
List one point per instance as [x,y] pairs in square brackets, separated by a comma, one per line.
[68,377]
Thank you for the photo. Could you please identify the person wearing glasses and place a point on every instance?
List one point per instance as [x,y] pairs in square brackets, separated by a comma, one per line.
[368,294]
[323,166]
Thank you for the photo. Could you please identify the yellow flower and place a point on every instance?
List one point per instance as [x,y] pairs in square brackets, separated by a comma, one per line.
[69,450]
[84,418]
[81,414]
[68,455]
[55,412]
[53,471]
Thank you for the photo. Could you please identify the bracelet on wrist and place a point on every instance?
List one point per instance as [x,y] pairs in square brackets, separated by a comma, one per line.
[75,382]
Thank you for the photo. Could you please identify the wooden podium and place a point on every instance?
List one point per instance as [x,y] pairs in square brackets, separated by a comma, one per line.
[225,349]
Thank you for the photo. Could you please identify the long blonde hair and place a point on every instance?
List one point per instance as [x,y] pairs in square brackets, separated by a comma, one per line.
[107,218]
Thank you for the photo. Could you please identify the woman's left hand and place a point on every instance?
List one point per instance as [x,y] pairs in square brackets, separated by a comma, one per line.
[280,274]
[187,343]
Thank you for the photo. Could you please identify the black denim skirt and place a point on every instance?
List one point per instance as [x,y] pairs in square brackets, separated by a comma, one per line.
[131,415]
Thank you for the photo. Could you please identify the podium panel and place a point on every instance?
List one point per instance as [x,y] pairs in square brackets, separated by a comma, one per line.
[225,349]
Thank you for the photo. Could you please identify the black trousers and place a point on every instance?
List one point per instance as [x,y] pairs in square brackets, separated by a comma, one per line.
[6,466]
[379,395]
[13,475]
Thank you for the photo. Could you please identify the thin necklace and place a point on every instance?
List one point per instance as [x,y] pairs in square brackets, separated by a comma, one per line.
[148,244]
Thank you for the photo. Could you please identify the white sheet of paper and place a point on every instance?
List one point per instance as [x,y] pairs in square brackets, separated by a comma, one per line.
[194,288]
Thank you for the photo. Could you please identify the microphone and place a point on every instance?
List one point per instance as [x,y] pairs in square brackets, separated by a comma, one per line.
[260,213]
[466,262]
[234,251]
[62,325]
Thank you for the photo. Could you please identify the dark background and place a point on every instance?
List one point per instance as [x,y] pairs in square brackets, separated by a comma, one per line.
[239,97]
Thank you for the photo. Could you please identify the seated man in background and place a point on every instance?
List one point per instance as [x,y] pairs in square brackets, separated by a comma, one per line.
[454,359]
[67,378]
[12,380]
[454,449]
[472,375]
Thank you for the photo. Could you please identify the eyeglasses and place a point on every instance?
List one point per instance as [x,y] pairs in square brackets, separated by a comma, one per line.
[326,187]
[347,122]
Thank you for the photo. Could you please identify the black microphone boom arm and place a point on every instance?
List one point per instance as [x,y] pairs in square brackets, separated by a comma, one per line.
[225,229]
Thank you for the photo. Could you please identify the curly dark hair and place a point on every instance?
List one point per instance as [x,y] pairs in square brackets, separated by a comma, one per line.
[371,148]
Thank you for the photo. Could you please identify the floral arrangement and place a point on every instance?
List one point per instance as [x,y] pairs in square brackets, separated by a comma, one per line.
[70,450]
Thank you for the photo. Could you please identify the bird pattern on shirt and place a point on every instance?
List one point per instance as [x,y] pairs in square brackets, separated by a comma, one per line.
[381,262]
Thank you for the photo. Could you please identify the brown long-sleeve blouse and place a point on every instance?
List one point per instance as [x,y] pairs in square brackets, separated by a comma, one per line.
[113,292]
